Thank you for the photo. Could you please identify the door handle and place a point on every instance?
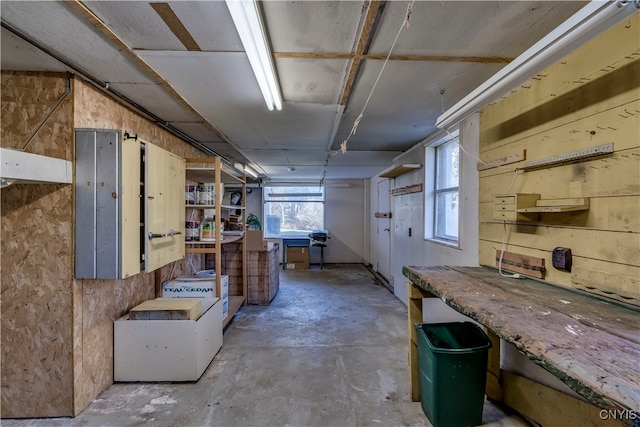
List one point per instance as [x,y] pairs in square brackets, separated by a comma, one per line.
[387,229]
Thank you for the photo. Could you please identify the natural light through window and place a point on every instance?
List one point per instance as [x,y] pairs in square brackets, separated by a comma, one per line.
[446,192]
[293,211]
[442,203]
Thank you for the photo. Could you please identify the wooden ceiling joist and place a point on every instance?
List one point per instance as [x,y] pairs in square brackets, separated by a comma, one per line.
[175,25]
[393,57]
[373,8]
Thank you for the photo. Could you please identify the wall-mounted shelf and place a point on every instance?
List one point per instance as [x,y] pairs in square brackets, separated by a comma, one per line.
[396,171]
[558,206]
[27,168]
[214,206]
[525,207]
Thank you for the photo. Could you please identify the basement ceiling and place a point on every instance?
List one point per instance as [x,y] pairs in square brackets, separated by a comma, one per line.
[183,62]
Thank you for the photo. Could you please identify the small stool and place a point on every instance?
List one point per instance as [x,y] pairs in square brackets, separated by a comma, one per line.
[318,238]
[321,246]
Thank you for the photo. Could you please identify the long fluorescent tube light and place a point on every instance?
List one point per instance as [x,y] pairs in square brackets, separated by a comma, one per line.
[245,169]
[250,171]
[590,21]
[295,195]
[246,18]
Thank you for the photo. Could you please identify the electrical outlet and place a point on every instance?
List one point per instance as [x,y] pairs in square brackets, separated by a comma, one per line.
[409,231]
[561,259]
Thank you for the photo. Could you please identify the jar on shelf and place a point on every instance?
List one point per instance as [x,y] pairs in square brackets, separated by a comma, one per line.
[190,194]
[192,231]
[206,194]
[208,230]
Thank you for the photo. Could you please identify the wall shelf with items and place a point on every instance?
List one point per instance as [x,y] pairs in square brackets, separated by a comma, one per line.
[205,211]
[558,205]
[526,207]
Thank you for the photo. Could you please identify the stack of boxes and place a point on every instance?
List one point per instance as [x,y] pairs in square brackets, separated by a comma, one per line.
[263,274]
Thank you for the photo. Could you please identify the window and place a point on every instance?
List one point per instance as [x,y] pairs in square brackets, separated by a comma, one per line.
[446,191]
[293,211]
[442,201]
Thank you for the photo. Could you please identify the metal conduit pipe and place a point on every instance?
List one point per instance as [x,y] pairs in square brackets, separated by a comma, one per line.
[105,87]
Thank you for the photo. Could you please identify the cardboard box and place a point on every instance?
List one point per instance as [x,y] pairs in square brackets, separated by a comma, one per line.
[203,286]
[254,241]
[190,287]
[167,309]
[167,350]
[297,266]
[297,255]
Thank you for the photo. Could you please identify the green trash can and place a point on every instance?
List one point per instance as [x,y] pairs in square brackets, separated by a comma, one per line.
[452,360]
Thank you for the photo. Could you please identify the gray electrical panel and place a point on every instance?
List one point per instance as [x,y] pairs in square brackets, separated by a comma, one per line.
[99,191]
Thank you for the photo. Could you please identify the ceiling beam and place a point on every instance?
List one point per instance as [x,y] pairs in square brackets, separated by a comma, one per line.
[175,25]
[394,57]
[366,32]
[101,26]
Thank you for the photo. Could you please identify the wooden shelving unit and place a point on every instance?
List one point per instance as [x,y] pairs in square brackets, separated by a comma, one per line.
[211,170]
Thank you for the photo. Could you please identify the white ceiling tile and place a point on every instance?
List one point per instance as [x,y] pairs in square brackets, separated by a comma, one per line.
[312,26]
[316,81]
[137,24]
[18,55]
[469,28]
[55,24]
[209,23]
[406,101]
[288,157]
[155,98]
[201,132]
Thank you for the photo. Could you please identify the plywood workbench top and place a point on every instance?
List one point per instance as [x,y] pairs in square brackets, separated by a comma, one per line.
[591,344]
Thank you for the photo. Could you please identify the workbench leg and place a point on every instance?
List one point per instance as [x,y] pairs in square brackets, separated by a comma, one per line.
[414,297]
[494,377]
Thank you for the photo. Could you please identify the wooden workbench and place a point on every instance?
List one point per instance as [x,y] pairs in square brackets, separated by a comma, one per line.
[592,345]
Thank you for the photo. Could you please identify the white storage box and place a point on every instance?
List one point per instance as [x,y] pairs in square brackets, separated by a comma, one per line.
[190,287]
[202,285]
[167,350]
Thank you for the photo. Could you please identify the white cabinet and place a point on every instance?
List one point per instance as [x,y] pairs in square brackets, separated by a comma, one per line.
[125,189]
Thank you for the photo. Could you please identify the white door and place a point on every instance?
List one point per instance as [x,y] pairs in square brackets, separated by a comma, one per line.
[383,266]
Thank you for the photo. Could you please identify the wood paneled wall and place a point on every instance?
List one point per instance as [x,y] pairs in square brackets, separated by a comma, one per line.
[37,255]
[589,98]
[57,332]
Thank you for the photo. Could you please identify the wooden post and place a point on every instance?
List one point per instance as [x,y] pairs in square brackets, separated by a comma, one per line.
[414,302]
[494,378]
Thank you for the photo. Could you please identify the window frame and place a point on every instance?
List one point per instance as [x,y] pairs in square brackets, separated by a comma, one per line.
[433,191]
[296,197]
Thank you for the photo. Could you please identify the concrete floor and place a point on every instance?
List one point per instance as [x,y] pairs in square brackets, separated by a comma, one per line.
[330,350]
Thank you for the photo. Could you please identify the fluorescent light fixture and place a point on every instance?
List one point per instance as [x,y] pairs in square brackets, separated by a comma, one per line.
[295,195]
[245,169]
[250,171]
[590,21]
[248,22]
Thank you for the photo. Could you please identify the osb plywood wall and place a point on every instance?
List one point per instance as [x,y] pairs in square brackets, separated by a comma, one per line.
[103,301]
[591,97]
[37,255]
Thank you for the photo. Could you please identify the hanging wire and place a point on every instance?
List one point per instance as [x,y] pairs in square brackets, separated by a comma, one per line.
[356,123]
